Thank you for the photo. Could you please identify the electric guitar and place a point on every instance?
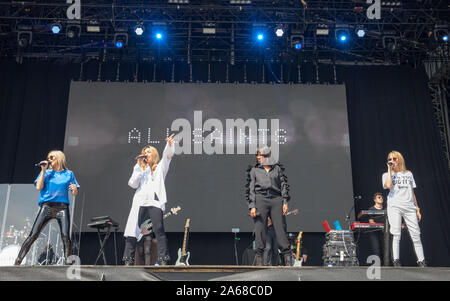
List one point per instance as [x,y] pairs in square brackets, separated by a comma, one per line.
[183,256]
[147,226]
[298,261]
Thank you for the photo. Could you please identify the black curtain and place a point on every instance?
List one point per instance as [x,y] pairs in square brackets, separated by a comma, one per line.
[33,111]
[389,108]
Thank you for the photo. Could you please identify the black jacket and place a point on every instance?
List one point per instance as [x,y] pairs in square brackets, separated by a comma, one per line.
[273,183]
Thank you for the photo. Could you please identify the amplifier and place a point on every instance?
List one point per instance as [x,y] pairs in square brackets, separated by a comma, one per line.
[336,262]
[340,250]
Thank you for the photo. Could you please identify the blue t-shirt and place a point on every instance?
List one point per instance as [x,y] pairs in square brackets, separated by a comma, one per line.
[56,186]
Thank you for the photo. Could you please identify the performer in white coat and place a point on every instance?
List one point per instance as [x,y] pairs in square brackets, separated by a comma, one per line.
[149,200]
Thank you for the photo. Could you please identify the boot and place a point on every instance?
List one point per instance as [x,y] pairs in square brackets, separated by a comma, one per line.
[287,260]
[396,263]
[259,260]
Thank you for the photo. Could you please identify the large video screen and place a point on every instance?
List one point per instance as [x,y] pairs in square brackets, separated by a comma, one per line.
[217,127]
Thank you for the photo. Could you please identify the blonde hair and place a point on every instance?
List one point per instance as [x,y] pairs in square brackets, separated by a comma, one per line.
[155,157]
[59,157]
[400,159]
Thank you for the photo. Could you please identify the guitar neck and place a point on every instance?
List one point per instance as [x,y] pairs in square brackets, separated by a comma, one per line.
[183,250]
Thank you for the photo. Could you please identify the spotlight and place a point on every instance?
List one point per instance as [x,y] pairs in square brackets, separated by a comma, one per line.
[260,36]
[139,30]
[73,31]
[56,28]
[24,38]
[390,43]
[342,34]
[441,33]
[158,35]
[297,42]
[360,32]
[120,39]
[279,31]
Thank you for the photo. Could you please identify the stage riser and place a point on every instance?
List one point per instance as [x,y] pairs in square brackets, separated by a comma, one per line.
[217,273]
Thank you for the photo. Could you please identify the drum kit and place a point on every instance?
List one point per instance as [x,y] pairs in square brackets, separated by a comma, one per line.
[12,240]
[41,252]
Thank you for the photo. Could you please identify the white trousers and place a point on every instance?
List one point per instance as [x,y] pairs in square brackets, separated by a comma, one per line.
[408,212]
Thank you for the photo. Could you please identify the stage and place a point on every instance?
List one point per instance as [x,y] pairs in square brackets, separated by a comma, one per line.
[220,273]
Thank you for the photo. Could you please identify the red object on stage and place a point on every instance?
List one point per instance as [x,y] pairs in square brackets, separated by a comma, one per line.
[326,226]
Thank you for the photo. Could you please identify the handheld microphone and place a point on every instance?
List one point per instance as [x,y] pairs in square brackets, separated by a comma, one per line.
[390,163]
[141,157]
[41,164]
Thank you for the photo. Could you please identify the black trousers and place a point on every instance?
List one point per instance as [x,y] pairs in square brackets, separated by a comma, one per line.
[47,212]
[156,215]
[376,239]
[273,207]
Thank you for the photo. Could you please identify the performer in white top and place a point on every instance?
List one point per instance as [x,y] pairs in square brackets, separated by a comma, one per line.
[149,200]
[402,202]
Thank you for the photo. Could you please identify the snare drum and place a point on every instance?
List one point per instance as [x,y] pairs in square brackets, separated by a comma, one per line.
[9,254]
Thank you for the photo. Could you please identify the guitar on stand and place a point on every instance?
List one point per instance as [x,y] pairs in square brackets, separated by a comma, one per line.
[298,260]
[183,256]
[147,226]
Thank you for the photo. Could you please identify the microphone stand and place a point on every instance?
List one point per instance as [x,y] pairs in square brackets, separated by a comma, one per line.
[347,218]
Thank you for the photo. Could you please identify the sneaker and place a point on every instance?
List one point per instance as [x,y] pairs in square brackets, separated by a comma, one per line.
[422,264]
[397,263]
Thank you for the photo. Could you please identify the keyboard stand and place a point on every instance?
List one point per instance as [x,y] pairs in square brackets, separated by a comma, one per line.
[103,243]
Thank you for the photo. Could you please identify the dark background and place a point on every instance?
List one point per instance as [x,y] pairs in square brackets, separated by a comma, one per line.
[388,108]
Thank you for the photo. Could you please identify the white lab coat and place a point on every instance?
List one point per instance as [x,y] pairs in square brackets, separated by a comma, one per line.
[139,180]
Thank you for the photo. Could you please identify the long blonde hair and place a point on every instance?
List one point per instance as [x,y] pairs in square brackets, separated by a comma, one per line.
[155,157]
[59,157]
[400,159]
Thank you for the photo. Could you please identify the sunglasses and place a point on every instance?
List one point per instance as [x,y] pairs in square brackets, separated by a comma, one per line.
[51,158]
[392,159]
[265,156]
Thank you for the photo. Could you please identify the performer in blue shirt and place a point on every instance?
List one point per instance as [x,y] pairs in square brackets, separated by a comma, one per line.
[54,182]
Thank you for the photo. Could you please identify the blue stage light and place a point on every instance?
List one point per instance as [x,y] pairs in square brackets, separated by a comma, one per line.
[119,44]
[158,36]
[260,37]
[56,28]
[343,37]
[298,46]
[445,38]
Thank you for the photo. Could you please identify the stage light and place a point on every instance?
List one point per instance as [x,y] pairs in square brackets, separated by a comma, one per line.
[297,42]
[441,33]
[120,38]
[260,36]
[139,30]
[158,35]
[56,28]
[342,34]
[445,38]
[390,43]
[360,32]
[279,31]
[24,38]
[342,37]
[73,31]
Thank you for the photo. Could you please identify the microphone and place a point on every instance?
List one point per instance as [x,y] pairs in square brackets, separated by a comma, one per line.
[41,163]
[141,157]
[390,163]
[358,197]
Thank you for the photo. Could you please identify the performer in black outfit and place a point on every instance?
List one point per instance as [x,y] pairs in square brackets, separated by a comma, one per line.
[376,238]
[268,196]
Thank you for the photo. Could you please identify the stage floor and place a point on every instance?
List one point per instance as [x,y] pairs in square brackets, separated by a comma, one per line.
[220,273]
